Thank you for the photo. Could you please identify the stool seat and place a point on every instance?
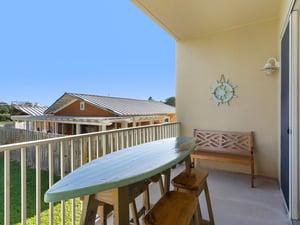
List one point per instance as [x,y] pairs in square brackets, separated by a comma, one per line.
[173,208]
[195,181]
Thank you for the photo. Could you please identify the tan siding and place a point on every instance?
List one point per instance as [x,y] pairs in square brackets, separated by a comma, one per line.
[90,110]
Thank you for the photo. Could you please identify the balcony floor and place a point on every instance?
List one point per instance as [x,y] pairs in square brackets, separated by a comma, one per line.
[234,202]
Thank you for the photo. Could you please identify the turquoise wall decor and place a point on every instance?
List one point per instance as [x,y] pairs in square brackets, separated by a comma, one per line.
[223,91]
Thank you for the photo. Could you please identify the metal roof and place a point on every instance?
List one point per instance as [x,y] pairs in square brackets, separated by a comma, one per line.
[118,106]
[32,110]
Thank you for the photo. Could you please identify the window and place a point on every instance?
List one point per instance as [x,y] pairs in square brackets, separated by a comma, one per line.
[82,106]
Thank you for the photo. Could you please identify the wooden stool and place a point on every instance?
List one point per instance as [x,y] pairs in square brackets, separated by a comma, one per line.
[195,182]
[173,208]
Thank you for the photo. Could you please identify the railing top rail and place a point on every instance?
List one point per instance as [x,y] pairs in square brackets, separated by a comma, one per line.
[13,146]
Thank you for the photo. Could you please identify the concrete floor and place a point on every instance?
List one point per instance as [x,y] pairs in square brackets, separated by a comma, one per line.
[234,202]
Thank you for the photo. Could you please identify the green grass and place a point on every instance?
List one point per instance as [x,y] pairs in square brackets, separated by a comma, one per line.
[15,197]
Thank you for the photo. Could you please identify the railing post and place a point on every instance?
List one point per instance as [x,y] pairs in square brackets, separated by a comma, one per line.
[23,186]
[51,174]
[6,187]
[72,169]
[62,174]
[38,183]
[90,149]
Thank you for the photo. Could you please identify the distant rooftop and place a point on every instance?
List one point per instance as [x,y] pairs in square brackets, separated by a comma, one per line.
[32,110]
[116,105]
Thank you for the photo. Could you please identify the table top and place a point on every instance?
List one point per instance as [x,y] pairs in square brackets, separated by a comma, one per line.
[121,168]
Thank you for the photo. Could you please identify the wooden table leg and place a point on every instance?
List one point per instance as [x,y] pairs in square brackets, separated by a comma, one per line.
[188,164]
[89,210]
[167,180]
[121,205]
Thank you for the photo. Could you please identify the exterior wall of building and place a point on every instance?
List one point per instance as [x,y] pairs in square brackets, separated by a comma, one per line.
[172,117]
[74,109]
[238,54]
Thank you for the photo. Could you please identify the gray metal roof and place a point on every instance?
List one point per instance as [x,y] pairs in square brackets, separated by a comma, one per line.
[32,110]
[118,106]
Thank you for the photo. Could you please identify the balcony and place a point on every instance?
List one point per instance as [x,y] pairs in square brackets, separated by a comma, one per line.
[234,202]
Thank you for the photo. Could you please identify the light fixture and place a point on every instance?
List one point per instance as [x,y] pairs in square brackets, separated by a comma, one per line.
[271,66]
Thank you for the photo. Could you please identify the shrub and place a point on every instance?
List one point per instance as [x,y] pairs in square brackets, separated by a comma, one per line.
[5,117]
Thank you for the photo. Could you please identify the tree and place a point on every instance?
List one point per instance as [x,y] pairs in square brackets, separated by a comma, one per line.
[4,109]
[170,101]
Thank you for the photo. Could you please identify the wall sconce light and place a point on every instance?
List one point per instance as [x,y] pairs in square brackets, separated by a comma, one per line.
[271,66]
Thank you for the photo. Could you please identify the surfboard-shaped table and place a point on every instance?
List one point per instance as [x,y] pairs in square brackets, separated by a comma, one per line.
[117,171]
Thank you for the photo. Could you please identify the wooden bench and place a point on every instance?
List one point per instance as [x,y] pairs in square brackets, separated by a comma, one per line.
[225,146]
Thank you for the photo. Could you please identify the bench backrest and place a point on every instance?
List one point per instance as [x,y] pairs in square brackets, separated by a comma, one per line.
[225,141]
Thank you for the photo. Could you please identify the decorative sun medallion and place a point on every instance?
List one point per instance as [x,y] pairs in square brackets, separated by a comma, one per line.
[223,91]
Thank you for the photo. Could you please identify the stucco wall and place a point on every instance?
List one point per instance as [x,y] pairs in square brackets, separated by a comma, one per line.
[238,54]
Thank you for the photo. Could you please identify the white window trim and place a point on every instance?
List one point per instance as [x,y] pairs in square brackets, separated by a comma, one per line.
[82,106]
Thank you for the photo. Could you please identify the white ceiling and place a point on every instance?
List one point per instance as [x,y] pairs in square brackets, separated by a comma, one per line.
[186,19]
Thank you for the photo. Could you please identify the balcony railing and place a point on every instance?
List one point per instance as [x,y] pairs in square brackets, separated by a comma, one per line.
[62,155]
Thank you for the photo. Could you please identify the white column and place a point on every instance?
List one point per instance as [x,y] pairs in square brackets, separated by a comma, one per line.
[124,125]
[102,127]
[45,126]
[34,125]
[78,128]
[55,128]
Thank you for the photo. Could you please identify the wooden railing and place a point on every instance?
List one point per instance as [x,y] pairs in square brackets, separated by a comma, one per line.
[62,155]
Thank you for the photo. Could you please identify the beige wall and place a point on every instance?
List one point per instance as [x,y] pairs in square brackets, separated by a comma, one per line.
[239,55]
[284,12]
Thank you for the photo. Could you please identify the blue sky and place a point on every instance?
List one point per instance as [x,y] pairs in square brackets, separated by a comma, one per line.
[96,47]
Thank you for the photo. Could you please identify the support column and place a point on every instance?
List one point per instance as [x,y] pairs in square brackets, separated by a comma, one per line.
[102,127]
[124,124]
[55,128]
[78,131]
[44,126]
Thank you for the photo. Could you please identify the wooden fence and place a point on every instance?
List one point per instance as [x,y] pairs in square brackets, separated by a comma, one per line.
[9,135]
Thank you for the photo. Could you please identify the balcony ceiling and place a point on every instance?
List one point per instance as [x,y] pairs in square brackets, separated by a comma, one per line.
[187,19]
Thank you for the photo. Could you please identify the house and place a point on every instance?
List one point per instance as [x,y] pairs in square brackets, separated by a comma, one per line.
[237,69]
[75,113]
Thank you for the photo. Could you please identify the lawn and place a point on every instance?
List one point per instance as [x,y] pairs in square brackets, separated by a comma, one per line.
[15,197]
